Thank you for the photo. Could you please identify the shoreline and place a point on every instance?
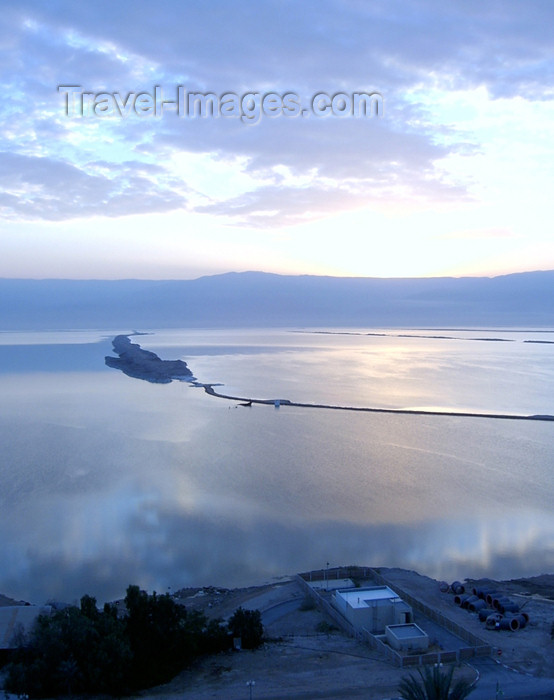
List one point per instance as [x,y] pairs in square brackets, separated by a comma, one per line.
[539,586]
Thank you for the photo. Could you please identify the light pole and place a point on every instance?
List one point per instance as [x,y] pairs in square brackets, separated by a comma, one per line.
[250,684]
[327,576]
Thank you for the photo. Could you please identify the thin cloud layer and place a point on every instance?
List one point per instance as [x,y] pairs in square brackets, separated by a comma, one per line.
[419,57]
[43,188]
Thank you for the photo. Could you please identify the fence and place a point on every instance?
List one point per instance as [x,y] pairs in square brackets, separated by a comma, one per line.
[352,572]
[327,608]
[478,646]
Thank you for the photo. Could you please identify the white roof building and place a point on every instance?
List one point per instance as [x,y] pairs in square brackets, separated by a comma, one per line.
[372,608]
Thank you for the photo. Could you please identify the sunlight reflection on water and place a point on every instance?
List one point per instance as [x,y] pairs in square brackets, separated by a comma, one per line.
[107,480]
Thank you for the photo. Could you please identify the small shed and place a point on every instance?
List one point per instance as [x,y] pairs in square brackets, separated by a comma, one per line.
[408,637]
[372,608]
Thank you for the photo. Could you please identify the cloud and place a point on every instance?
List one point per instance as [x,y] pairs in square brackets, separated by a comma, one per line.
[342,40]
[276,206]
[329,45]
[42,188]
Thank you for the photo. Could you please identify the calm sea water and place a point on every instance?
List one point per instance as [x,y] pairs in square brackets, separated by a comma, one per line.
[107,480]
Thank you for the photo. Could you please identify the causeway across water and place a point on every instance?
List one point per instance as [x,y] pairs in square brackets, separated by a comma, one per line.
[209,389]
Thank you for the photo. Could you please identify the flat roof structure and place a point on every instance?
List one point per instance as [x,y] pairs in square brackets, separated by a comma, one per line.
[407,637]
[362,597]
[407,631]
[372,608]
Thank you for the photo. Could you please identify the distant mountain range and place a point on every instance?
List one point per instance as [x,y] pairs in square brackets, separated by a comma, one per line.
[261,299]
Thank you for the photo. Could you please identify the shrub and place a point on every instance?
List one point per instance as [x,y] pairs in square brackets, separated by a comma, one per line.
[247,624]
[325,627]
[307,604]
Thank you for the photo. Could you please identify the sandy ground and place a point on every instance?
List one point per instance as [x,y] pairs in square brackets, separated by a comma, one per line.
[303,663]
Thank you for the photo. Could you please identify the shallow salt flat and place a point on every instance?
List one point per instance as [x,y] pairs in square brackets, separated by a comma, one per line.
[108,480]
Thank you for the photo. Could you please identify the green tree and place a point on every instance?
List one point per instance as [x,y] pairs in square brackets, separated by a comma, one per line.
[68,652]
[434,685]
[247,624]
[88,607]
[87,651]
[162,636]
[215,637]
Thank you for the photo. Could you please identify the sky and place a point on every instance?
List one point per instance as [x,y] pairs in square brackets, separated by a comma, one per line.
[450,170]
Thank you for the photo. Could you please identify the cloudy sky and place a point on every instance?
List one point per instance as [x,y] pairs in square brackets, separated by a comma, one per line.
[453,176]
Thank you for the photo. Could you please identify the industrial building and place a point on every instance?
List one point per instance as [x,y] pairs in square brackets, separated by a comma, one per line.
[372,608]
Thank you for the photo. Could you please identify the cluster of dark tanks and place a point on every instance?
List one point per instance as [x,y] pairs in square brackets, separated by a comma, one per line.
[495,609]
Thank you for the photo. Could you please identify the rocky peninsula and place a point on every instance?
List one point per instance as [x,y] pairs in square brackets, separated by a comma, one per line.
[143,364]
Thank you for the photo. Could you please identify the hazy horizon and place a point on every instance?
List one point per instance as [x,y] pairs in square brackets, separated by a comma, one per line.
[258,299]
[279,274]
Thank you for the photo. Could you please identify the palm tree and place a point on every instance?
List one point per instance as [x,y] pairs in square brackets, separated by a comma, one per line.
[434,685]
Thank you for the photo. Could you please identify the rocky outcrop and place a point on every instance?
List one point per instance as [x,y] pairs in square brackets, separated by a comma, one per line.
[143,364]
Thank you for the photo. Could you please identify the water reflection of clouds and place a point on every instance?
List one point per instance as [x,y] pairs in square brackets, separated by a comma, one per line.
[108,481]
[161,547]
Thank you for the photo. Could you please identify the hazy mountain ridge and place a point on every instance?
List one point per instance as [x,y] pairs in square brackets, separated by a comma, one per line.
[264,299]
